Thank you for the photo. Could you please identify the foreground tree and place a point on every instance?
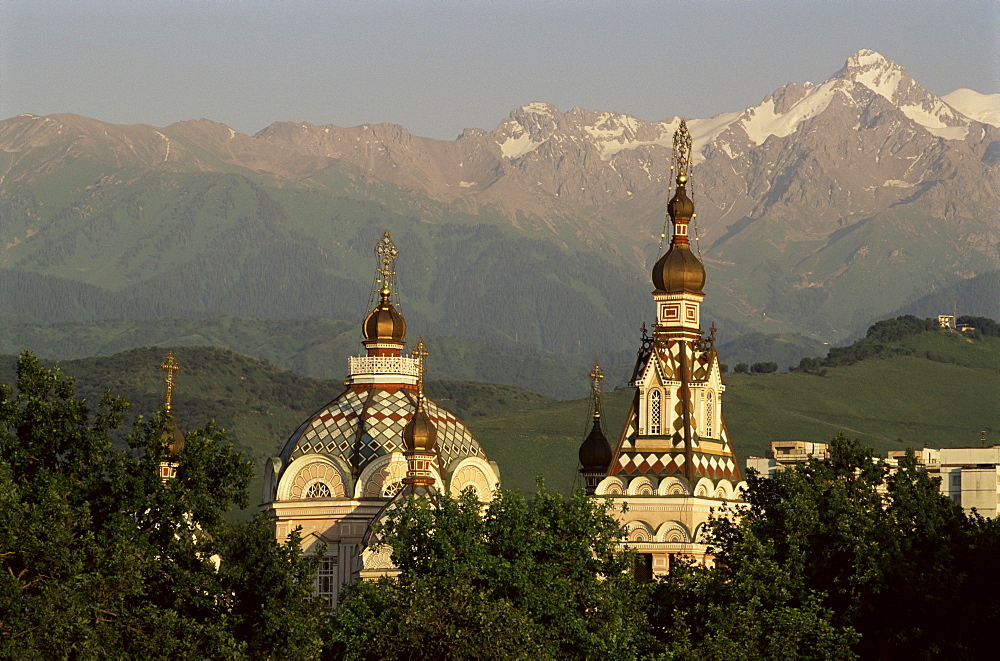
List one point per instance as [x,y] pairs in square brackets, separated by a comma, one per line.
[99,557]
[513,579]
[839,558]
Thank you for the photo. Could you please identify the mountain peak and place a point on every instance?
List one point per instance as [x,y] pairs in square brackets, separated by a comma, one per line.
[871,69]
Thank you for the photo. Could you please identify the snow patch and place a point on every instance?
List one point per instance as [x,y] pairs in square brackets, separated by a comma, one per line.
[761,121]
[467,184]
[932,121]
[514,147]
[232,134]
[898,183]
[983,108]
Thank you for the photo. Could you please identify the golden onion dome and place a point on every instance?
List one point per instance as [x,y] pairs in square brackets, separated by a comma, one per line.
[384,322]
[420,434]
[595,451]
[172,438]
[679,270]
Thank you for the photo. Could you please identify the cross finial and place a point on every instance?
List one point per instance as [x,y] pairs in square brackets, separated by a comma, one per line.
[682,152]
[596,375]
[170,366]
[420,352]
[386,252]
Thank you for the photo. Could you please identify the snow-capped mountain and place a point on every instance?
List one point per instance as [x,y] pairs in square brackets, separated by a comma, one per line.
[818,208]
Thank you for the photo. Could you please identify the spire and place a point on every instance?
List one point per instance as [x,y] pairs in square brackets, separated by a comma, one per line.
[680,270]
[420,434]
[595,451]
[384,323]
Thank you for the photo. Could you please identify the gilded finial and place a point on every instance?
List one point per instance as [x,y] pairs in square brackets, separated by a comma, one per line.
[596,375]
[420,353]
[170,366]
[386,253]
[682,153]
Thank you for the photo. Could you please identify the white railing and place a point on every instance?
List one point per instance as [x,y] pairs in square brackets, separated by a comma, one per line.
[385,365]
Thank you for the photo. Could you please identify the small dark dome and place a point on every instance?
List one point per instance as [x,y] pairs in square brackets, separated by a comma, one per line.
[420,434]
[680,207]
[595,451]
[385,322]
[679,270]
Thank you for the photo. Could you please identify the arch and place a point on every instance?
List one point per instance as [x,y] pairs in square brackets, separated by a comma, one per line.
[673,486]
[610,486]
[724,490]
[472,472]
[638,531]
[642,486]
[698,536]
[309,470]
[704,488]
[740,489]
[673,532]
[382,478]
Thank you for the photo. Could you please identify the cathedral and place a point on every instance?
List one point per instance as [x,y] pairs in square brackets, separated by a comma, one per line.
[381,438]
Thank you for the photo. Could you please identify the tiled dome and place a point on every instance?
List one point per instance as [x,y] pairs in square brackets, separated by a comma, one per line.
[360,426]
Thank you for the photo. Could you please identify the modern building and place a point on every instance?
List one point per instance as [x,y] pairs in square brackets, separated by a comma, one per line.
[672,465]
[346,462]
[969,476]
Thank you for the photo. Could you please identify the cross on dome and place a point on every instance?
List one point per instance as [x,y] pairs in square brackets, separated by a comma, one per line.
[170,366]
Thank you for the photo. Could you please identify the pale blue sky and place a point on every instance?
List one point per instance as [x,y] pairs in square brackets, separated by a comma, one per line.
[439,67]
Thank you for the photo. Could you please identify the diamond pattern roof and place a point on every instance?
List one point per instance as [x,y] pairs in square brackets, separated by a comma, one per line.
[360,426]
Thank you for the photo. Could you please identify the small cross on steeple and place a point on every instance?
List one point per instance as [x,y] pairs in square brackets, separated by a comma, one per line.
[170,366]
[420,352]
[596,375]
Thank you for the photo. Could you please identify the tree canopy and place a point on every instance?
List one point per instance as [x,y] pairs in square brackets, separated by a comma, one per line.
[99,557]
[509,580]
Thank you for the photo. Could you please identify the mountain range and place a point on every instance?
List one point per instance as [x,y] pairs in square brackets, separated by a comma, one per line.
[820,209]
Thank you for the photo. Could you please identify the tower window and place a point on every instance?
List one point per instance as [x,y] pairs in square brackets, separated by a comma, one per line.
[654,412]
[710,414]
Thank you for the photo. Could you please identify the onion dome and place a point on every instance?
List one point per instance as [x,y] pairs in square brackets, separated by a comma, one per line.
[595,451]
[680,270]
[420,434]
[384,322]
[172,438]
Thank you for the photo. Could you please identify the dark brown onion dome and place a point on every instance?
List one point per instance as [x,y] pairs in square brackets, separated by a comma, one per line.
[420,434]
[385,322]
[679,270]
[595,451]
[173,439]
[680,207]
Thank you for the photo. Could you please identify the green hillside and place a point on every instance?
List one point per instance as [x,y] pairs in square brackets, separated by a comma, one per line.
[942,395]
[932,388]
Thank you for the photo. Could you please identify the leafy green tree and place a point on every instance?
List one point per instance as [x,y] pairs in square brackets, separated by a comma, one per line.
[511,580]
[842,558]
[99,557]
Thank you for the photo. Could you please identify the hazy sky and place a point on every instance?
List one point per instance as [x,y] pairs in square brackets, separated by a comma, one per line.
[439,67]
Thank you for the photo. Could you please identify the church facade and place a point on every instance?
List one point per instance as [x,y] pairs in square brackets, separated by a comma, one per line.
[673,463]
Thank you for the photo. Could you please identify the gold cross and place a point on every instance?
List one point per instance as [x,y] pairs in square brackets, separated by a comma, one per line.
[682,149]
[170,365]
[386,252]
[596,374]
[420,352]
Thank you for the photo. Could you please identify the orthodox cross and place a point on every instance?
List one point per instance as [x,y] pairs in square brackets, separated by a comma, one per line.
[596,374]
[682,150]
[386,252]
[420,352]
[170,366]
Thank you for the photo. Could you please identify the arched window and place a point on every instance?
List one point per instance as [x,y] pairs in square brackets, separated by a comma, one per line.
[654,412]
[710,414]
[318,490]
